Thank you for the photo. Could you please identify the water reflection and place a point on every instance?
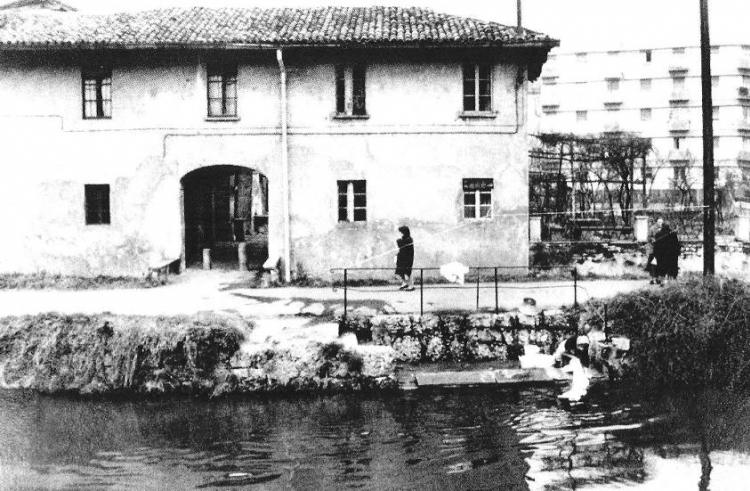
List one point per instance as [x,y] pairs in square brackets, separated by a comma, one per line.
[443,439]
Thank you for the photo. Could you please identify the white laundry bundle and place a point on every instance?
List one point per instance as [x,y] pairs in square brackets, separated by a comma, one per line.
[454,272]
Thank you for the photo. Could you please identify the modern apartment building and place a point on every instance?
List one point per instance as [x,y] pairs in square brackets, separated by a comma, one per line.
[655,93]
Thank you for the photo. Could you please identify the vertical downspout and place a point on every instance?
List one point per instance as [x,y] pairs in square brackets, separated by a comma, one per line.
[285,169]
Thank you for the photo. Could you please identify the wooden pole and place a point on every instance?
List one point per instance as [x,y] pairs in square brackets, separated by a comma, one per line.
[709,212]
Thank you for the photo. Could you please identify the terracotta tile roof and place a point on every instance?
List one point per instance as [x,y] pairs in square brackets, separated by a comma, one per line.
[206,27]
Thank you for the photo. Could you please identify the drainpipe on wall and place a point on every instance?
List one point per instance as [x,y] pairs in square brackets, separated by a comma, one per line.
[285,170]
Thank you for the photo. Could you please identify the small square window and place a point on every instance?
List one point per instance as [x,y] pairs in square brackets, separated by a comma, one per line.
[680,175]
[478,198]
[581,57]
[97,93]
[97,204]
[352,201]
[645,84]
[477,88]
[582,116]
[678,51]
[716,142]
[715,82]
[222,90]
[678,83]
[613,84]
[646,114]
[714,49]
[676,143]
[549,80]
[746,81]
[746,113]
[715,113]
[647,54]
[746,143]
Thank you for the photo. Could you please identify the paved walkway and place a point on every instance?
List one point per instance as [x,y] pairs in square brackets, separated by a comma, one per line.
[229,292]
[291,314]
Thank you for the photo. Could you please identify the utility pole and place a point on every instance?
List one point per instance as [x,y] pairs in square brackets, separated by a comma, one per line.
[709,212]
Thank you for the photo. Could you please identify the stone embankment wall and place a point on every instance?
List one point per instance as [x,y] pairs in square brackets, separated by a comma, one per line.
[462,337]
[110,354]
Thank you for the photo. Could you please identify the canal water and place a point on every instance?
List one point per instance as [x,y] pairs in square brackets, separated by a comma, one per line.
[467,439]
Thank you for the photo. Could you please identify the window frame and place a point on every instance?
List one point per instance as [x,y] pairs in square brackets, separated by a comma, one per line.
[613,84]
[97,204]
[227,74]
[474,189]
[477,95]
[646,114]
[351,90]
[101,77]
[351,212]
[645,85]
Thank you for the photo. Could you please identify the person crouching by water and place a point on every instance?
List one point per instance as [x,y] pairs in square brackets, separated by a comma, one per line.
[575,346]
[405,259]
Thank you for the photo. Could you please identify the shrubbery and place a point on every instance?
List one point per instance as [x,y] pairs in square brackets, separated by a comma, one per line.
[688,335]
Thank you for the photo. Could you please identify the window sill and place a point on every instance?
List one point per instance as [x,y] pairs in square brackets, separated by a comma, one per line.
[222,118]
[91,118]
[478,115]
[345,117]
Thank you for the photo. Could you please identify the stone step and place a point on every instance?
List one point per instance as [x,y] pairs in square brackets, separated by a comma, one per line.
[504,376]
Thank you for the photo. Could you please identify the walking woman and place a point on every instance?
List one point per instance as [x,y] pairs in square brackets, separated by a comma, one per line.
[405,259]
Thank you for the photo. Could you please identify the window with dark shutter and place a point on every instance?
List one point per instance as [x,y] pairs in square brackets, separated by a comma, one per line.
[97,204]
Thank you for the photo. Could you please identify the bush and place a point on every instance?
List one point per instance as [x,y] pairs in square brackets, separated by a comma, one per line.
[688,335]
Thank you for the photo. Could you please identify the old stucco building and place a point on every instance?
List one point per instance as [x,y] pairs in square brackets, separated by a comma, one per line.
[314,132]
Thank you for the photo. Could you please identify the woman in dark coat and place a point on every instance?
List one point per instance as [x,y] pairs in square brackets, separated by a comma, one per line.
[405,258]
[667,253]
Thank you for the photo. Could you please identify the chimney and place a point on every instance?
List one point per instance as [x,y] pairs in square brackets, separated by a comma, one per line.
[518,8]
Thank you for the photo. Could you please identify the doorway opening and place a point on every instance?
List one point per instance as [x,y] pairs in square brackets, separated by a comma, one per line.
[226,210]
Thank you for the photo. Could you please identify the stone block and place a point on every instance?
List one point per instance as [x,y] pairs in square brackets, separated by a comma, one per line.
[428,379]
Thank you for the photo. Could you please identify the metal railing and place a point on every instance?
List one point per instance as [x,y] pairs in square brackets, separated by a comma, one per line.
[475,284]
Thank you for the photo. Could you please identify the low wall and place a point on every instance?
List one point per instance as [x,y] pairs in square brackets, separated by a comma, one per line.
[462,337]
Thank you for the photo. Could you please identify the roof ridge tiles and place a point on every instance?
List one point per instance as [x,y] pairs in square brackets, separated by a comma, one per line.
[278,26]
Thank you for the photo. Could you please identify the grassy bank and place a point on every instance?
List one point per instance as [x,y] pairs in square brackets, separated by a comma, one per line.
[91,354]
[690,335]
[44,281]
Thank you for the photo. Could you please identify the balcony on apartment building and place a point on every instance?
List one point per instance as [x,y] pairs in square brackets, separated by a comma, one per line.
[743,125]
[679,125]
[743,94]
[679,155]
[679,95]
[743,157]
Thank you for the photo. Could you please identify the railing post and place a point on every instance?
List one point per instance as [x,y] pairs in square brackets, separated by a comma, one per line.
[477,289]
[421,292]
[575,287]
[345,292]
[497,306]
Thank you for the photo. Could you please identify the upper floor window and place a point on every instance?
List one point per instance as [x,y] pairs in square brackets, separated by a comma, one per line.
[581,57]
[613,84]
[645,84]
[678,51]
[647,53]
[350,90]
[746,80]
[478,198]
[352,201]
[581,116]
[715,113]
[97,93]
[97,204]
[646,114]
[222,90]
[746,113]
[549,80]
[477,88]
[678,83]
[715,82]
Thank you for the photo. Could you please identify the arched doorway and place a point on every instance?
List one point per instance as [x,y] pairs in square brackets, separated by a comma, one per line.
[226,208]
